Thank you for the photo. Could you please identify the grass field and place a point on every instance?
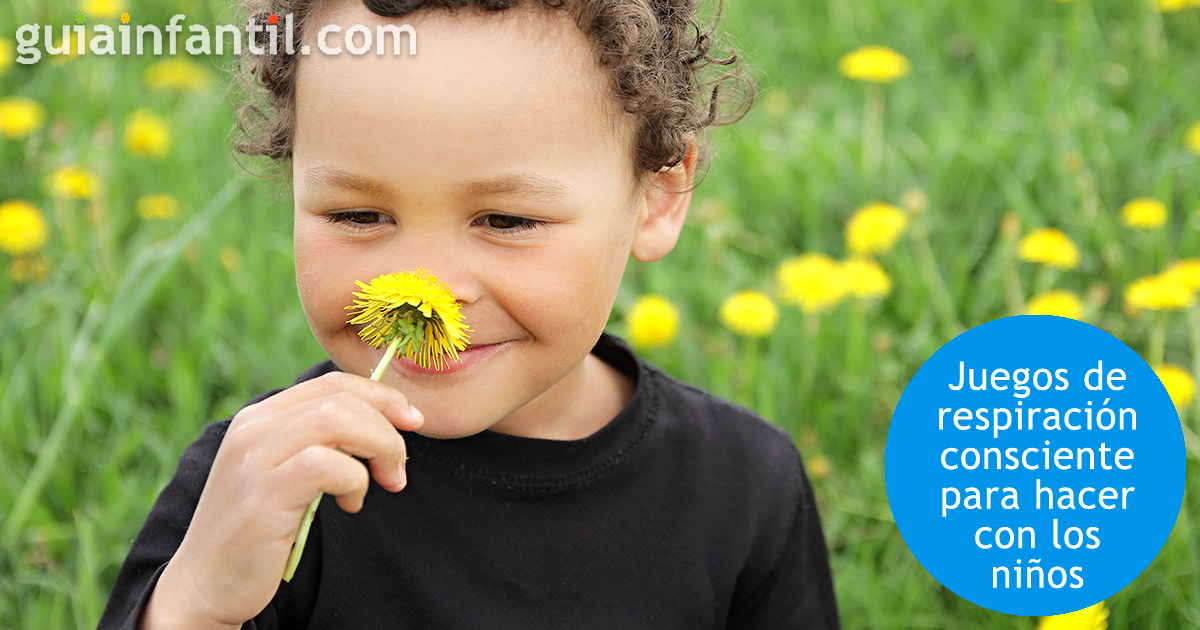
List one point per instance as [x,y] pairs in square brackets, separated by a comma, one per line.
[124,335]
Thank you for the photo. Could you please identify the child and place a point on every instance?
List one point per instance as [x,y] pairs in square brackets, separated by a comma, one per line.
[558,481]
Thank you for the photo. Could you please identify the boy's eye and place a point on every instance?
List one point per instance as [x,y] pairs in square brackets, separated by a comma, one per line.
[358,218]
[508,223]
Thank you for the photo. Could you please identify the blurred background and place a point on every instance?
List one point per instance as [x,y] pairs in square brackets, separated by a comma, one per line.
[976,160]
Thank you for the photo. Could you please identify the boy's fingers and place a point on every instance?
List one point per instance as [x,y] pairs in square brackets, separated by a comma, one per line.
[345,422]
[391,403]
[322,469]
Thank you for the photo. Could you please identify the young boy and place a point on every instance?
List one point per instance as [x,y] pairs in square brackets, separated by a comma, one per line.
[557,481]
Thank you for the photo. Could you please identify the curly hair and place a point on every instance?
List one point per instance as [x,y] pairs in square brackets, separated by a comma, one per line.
[657,55]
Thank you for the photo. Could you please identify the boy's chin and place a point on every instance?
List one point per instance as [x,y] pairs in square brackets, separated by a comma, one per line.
[436,430]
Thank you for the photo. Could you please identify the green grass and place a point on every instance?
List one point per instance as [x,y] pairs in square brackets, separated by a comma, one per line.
[144,331]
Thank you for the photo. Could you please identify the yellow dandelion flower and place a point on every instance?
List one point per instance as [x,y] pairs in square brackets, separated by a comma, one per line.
[73,182]
[878,64]
[776,102]
[1160,292]
[102,9]
[178,73]
[8,55]
[652,322]
[1060,303]
[749,313]
[1186,272]
[231,259]
[1094,617]
[1191,139]
[72,47]
[865,278]
[1049,246]
[415,313]
[1144,213]
[22,228]
[29,268]
[814,282]
[1179,384]
[20,116]
[146,133]
[158,206]
[819,467]
[874,228]
[1171,6]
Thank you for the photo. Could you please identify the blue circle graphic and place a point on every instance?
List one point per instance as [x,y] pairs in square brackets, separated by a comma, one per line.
[1035,465]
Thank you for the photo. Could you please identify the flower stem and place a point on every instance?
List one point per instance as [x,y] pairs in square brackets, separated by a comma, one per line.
[1012,283]
[1158,340]
[808,365]
[854,377]
[873,110]
[943,305]
[744,392]
[387,358]
[311,511]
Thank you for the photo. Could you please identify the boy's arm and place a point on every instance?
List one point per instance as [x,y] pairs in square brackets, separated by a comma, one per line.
[162,532]
[798,592]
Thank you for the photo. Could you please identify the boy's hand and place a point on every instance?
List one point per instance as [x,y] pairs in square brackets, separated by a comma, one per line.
[276,457]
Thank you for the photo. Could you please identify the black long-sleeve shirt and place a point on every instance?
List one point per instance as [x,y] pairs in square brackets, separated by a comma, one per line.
[684,512]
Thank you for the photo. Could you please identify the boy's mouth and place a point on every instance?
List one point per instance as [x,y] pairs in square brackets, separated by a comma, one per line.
[468,357]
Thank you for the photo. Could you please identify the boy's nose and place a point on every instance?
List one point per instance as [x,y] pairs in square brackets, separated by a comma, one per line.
[444,261]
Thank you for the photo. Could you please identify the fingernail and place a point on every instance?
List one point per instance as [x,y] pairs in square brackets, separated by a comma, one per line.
[402,476]
[417,415]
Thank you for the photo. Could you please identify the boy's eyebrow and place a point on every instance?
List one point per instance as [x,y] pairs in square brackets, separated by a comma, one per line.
[328,176]
[525,184]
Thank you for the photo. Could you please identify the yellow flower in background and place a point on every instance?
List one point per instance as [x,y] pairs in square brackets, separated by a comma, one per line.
[1180,385]
[102,9]
[22,228]
[865,278]
[231,259]
[146,133]
[652,322]
[20,116]
[1161,292]
[71,48]
[874,228]
[1049,246]
[157,206]
[1171,6]
[749,313]
[29,268]
[1192,139]
[1060,303]
[414,311]
[8,54]
[1185,272]
[73,182]
[819,467]
[814,282]
[1093,617]
[776,102]
[878,64]
[1144,213]
[178,73]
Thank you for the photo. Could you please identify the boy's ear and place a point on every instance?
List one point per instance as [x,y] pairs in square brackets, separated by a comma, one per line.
[661,220]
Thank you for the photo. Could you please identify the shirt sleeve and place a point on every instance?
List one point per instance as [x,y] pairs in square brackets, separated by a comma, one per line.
[168,521]
[162,532]
[798,591]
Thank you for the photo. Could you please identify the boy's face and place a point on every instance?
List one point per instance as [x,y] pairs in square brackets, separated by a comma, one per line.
[495,160]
